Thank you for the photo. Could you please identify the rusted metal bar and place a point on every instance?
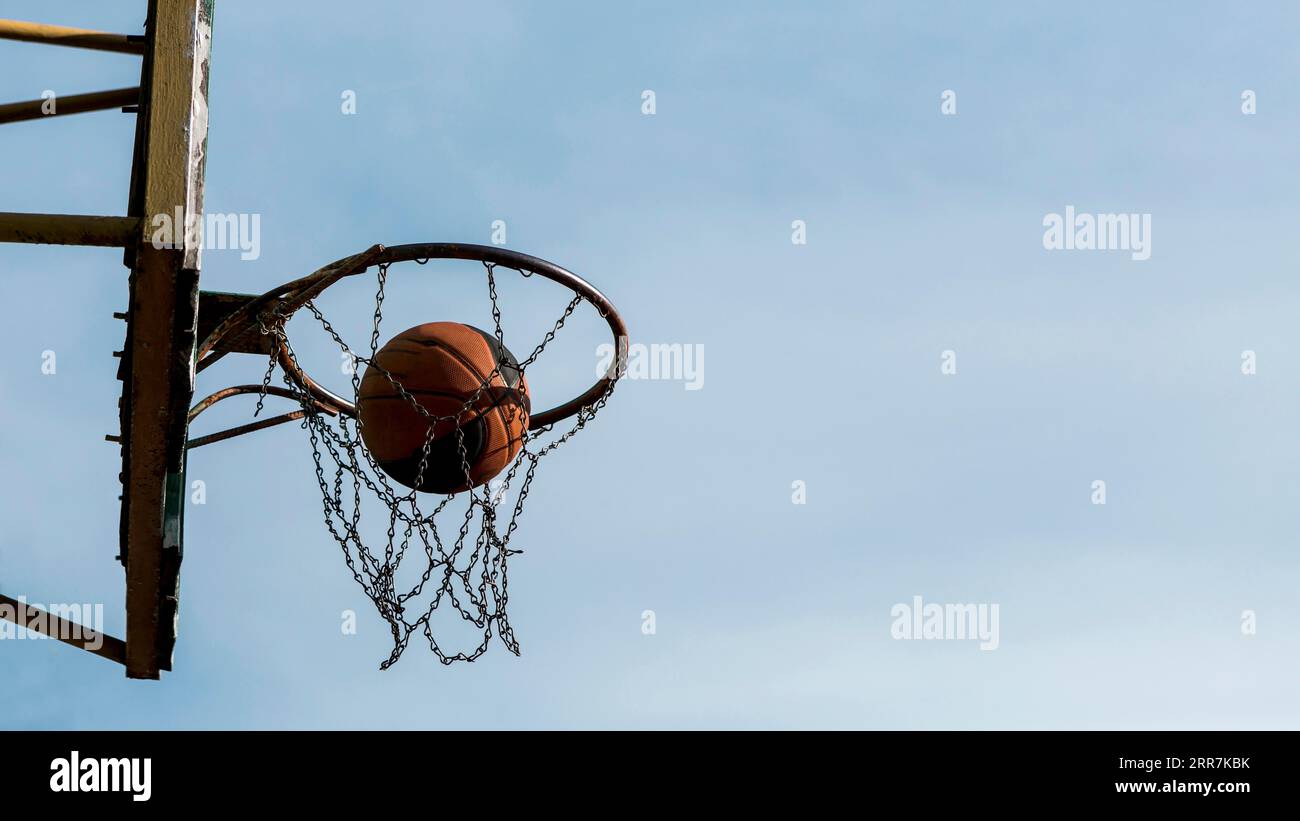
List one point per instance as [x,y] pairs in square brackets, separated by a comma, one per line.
[79,636]
[237,390]
[71,104]
[67,229]
[49,35]
[231,433]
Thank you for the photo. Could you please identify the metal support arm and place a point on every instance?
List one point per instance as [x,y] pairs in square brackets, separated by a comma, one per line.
[46,34]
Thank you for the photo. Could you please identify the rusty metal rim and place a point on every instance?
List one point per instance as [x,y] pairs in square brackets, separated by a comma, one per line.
[293,295]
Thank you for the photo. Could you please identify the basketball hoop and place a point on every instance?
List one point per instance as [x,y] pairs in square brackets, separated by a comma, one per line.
[470,577]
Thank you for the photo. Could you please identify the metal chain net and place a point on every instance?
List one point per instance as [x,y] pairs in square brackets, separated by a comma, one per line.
[458,572]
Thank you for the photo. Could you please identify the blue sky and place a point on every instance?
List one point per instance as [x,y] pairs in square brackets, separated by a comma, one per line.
[822,361]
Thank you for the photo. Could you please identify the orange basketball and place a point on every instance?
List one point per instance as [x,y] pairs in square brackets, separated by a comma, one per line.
[443,366]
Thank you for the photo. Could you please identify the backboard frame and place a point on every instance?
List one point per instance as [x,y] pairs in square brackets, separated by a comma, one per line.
[157,362]
[157,367]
